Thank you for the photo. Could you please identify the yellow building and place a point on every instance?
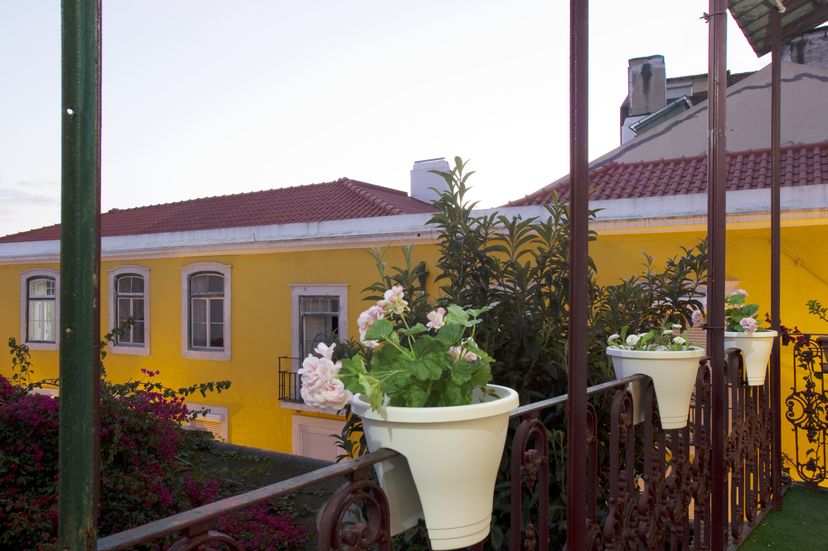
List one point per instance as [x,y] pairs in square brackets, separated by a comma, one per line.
[220,288]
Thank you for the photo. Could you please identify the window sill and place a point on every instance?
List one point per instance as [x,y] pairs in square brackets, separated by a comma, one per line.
[130,350]
[42,345]
[218,355]
[299,406]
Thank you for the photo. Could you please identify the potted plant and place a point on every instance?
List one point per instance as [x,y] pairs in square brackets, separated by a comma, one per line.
[422,390]
[746,333]
[666,356]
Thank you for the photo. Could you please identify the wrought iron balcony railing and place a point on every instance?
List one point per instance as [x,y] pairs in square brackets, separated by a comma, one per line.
[289,380]
[806,408]
[646,487]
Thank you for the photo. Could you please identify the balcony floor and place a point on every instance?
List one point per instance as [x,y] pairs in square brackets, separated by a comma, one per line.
[801,524]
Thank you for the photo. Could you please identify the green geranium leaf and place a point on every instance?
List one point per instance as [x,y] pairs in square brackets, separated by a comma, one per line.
[352,369]
[461,372]
[428,368]
[379,331]
[416,330]
[475,312]
[453,396]
[749,310]
[450,333]
[432,359]
[385,358]
[738,298]
[373,390]
[417,396]
[456,315]
[481,376]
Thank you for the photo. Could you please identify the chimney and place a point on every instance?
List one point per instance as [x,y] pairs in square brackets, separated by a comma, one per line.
[647,85]
[422,179]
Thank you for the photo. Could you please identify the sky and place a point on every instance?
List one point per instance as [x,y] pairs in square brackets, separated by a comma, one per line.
[211,97]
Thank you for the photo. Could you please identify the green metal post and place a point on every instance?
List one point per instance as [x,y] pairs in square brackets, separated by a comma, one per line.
[80,256]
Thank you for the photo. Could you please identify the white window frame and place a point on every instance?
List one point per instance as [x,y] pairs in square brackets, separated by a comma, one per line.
[24,308]
[186,352]
[333,290]
[113,317]
[218,415]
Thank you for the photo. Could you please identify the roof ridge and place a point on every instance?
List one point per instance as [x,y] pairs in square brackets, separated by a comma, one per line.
[701,156]
[358,189]
[378,187]
[240,194]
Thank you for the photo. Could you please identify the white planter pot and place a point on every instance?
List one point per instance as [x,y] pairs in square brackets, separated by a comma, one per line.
[449,463]
[673,375]
[756,350]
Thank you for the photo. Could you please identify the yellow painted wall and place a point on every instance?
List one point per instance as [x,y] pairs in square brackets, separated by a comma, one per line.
[261,309]
[260,328]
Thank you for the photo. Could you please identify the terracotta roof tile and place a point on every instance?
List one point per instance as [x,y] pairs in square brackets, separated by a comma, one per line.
[801,165]
[338,200]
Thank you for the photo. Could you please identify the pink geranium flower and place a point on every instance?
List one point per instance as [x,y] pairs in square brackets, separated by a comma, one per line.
[324,350]
[393,302]
[320,387]
[749,325]
[458,353]
[366,319]
[435,318]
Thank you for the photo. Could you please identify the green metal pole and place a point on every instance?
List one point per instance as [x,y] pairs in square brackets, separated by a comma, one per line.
[80,256]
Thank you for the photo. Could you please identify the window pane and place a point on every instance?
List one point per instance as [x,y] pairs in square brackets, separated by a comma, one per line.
[42,287]
[217,310]
[35,321]
[138,333]
[318,305]
[199,334]
[138,309]
[41,326]
[138,285]
[49,320]
[124,310]
[199,310]
[124,284]
[313,332]
[198,284]
[217,335]
[216,284]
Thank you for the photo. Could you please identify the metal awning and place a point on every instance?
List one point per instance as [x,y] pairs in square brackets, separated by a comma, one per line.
[753,17]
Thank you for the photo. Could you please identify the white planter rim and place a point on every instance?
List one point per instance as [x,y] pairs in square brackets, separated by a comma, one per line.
[506,401]
[755,335]
[693,352]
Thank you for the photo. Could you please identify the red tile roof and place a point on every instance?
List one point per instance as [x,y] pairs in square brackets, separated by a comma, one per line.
[801,165]
[337,200]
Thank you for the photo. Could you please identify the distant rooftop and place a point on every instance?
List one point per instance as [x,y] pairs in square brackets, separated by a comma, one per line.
[338,200]
[801,165]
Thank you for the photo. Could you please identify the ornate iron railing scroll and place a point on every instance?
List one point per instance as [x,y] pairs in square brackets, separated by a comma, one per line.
[807,409]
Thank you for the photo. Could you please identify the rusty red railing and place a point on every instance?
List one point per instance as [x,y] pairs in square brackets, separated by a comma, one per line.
[646,487]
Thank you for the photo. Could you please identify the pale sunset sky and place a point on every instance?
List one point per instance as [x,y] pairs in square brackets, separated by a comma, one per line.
[210,97]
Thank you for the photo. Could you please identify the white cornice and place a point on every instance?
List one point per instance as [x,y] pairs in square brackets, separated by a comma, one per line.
[351,233]
[671,210]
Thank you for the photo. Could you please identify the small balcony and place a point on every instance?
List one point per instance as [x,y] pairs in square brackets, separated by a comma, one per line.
[289,380]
